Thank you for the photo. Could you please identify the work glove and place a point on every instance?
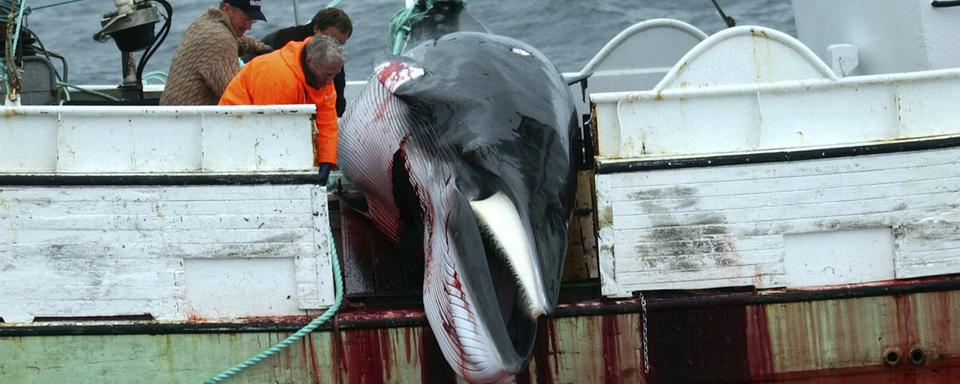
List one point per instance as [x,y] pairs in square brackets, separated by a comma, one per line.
[324,172]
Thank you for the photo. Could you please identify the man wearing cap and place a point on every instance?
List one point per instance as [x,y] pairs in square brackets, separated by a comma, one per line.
[208,56]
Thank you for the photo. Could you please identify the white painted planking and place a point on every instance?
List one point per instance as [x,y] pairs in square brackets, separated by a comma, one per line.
[840,257]
[324,252]
[114,250]
[137,139]
[771,176]
[675,233]
[25,150]
[788,198]
[257,143]
[224,289]
[130,143]
[873,210]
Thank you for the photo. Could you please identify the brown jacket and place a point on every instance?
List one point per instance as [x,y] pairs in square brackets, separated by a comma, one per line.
[206,60]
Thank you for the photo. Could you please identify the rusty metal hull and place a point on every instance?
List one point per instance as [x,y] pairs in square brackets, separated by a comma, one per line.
[901,336]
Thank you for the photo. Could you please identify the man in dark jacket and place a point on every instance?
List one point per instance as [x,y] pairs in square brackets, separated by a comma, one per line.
[332,22]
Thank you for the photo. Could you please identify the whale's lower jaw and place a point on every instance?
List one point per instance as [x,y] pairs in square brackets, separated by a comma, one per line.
[476,282]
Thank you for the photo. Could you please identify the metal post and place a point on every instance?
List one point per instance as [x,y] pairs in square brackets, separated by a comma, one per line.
[296,13]
[129,63]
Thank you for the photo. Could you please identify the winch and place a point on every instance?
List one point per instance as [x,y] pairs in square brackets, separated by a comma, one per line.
[131,26]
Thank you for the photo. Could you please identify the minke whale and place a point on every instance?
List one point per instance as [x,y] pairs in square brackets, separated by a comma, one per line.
[463,147]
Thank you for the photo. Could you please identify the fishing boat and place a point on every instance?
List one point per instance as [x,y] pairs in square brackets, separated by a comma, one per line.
[751,207]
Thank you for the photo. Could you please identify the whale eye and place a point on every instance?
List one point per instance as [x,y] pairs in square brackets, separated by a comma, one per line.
[469,154]
[520,51]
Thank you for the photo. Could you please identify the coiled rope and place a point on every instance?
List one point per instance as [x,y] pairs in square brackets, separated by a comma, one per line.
[11,79]
[338,282]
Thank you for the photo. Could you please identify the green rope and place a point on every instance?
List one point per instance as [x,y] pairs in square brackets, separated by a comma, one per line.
[334,3]
[338,282]
[404,19]
[16,34]
[13,28]
[84,90]
[158,76]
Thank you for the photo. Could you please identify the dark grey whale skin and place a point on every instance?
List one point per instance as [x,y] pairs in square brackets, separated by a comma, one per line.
[489,115]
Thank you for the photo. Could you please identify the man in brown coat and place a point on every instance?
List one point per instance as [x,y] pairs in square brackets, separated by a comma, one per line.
[208,56]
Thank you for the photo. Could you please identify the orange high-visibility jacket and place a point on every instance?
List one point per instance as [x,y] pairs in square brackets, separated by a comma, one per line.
[277,78]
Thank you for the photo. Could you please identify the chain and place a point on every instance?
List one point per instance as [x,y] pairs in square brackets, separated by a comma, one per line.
[643,311]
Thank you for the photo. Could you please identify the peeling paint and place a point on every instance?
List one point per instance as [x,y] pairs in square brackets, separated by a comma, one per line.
[605,217]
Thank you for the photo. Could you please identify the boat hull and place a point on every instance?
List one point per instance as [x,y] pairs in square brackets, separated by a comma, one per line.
[843,335]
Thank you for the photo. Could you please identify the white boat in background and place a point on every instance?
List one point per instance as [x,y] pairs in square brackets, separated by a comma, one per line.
[752,207]
[752,164]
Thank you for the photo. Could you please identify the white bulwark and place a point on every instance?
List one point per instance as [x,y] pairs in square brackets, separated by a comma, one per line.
[752,164]
[200,214]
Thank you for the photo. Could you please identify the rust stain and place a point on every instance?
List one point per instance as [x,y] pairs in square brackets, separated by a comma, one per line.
[386,353]
[338,351]
[311,356]
[275,319]
[906,323]
[826,341]
[381,314]
[610,344]
[365,357]
[433,367]
[550,329]
[407,335]
[13,112]
[708,345]
[543,349]
[759,351]
[945,370]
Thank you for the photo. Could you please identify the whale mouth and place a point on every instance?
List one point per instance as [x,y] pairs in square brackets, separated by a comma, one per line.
[520,325]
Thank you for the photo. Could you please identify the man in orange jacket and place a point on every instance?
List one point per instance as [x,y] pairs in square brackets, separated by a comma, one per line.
[299,73]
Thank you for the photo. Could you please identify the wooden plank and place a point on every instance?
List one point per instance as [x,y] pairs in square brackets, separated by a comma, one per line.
[731,185]
[715,226]
[937,158]
[317,284]
[233,193]
[91,251]
[680,200]
[581,259]
[147,139]
[248,207]
[823,211]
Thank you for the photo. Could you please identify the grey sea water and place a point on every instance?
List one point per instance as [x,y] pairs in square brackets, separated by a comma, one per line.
[569,32]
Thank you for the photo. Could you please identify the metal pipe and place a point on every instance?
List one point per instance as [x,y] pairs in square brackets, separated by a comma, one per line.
[129,62]
[415,317]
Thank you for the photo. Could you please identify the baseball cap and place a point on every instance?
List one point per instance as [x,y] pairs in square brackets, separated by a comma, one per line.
[250,7]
